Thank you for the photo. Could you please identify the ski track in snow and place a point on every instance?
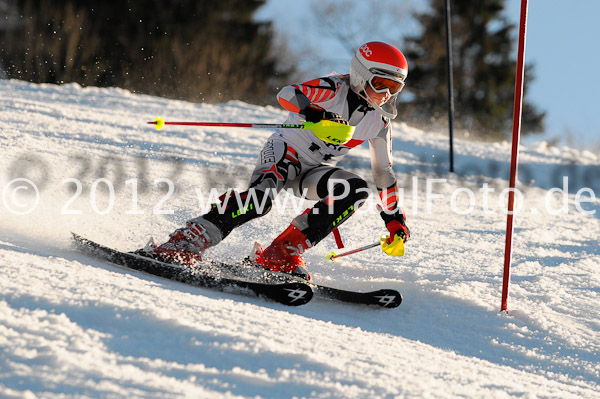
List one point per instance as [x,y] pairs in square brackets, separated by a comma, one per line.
[75,327]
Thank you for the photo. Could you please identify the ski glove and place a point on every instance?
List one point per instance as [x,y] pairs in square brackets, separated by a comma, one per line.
[396,224]
[314,113]
[399,232]
[394,248]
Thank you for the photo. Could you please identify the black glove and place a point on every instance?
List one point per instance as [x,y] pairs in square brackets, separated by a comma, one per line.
[396,224]
[314,113]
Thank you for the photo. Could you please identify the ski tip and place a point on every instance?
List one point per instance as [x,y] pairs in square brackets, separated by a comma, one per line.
[77,237]
[388,298]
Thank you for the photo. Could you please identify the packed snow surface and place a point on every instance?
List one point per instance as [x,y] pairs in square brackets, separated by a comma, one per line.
[84,160]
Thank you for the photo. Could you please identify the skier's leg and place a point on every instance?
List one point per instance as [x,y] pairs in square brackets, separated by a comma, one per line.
[277,161]
[339,194]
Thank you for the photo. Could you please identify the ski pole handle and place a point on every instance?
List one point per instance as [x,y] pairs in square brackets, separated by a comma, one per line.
[333,255]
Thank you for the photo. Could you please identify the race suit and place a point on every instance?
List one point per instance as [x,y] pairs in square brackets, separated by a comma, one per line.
[296,159]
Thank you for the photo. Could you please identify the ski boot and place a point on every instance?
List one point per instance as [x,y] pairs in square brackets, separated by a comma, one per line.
[285,253]
[183,247]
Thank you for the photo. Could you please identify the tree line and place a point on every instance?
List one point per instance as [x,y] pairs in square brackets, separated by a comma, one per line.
[484,70]
[215,51]
[204,51]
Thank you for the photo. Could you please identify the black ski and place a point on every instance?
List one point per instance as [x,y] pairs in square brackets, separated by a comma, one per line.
[292,293]
[387,298]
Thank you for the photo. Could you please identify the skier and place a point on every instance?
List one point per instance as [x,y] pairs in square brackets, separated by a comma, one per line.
[298,159]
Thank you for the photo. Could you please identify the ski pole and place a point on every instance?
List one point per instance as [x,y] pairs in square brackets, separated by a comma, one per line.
[333,255]
[159,122]
[330,131]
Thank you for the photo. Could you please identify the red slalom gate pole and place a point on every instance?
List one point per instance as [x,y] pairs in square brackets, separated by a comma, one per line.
[514,161]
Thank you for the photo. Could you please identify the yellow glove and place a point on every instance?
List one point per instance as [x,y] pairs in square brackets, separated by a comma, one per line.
[330,131]
[394,248]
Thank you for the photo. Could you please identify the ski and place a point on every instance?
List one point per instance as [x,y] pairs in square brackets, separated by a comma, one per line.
[387,298]
[291,293]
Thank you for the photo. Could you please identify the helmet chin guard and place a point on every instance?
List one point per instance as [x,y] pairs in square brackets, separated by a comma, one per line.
[388,109]
[378,59]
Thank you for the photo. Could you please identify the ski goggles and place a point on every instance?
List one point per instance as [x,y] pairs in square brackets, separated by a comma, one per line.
[380,84]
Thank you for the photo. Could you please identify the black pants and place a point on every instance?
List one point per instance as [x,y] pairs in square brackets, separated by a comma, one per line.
[338,193]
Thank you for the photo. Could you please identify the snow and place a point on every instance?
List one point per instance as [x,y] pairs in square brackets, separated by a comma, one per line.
[75,327]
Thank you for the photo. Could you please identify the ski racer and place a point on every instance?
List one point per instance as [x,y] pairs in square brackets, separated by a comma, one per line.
[299,160]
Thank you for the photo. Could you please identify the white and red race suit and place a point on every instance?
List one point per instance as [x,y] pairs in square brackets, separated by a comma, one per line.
[296,159]
[333,93]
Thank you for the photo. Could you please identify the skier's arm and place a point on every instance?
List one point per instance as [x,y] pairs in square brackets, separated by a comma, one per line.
[297,97]
[381,166]
[303,99]
[385,180]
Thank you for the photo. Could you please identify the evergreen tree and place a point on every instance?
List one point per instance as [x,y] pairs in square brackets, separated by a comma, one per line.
[484,70]
[188,49]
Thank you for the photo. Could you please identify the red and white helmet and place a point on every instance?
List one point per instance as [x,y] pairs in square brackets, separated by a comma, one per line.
[383,67]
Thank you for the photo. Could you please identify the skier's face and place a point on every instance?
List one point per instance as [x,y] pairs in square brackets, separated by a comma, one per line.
[378,98]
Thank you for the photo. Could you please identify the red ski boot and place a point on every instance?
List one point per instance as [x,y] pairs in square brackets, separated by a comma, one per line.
[184,246]
[285,253]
